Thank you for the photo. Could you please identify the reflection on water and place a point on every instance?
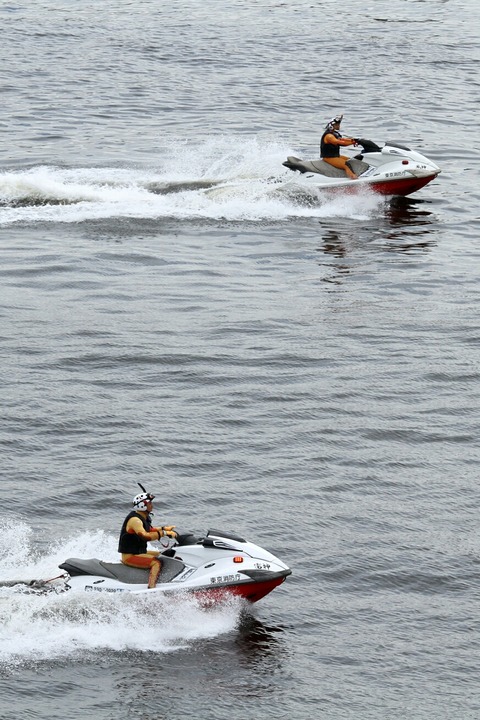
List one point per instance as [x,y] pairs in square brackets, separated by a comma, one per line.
[407,225]
[336,244]
[407,211]
[257,641]
[410,214]
[205,677]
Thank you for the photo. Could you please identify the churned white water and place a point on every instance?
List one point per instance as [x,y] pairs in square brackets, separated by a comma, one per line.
[233,181]
[35,626]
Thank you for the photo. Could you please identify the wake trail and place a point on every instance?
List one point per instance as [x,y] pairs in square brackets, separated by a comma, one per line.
[232,180]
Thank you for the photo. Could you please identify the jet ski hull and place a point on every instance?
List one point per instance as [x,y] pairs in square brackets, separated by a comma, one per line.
[252,591]
[403,186]
[398,187]
[391,170]
[217,566]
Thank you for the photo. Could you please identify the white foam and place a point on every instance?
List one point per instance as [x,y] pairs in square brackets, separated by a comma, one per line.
[225,178]
[40,627]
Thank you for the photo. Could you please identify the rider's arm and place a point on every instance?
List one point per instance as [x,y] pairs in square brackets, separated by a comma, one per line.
[135,527]
[330,139]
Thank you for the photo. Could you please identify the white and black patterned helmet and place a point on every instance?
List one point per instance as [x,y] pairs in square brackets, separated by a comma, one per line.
[140,501]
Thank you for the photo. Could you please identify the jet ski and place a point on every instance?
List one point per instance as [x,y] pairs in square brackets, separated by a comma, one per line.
[212,567]
[393,169]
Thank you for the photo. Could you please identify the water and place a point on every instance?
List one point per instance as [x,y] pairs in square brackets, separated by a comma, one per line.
[298,369]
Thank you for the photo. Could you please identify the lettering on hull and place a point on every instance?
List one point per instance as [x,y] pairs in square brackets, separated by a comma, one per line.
[225,579]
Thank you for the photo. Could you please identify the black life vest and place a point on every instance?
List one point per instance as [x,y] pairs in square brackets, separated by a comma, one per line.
[327,150]
[131,543]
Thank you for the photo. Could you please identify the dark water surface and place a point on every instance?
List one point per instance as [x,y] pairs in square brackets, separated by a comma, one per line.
[304,371]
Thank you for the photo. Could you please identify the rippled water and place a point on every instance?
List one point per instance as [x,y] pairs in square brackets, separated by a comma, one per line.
[299,369]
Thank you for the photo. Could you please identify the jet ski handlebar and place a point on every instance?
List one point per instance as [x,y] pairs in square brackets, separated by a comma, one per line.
[368,145]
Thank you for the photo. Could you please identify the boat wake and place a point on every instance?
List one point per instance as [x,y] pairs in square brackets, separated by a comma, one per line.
[35,627]
[216,181]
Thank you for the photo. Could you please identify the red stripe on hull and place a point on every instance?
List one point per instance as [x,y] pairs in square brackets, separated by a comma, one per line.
[403,186]
[249,591]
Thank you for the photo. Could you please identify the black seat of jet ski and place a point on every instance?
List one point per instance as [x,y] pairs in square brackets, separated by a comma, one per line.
[323,168]
[118,571]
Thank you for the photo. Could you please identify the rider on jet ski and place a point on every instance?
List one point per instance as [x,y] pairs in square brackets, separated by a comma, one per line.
[330,145]
[136,530]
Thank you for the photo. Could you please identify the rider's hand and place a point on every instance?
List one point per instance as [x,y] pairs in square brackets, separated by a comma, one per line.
[166,530]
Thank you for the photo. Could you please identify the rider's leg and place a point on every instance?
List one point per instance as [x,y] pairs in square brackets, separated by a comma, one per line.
[148,560]
[340,163]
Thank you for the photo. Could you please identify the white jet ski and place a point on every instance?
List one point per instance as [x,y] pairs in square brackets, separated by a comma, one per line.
[393,169]
[212,567]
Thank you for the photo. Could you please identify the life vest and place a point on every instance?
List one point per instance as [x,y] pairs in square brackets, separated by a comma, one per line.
[327,150]
[129,542]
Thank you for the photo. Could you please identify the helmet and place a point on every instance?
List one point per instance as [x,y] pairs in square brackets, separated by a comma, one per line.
[140,501]
[334,121]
